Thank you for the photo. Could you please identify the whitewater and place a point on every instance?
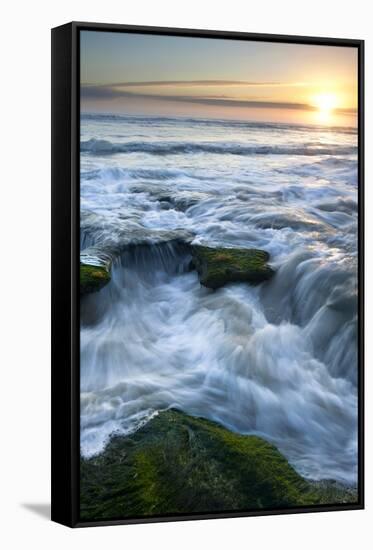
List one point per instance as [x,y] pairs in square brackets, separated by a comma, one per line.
[278,360]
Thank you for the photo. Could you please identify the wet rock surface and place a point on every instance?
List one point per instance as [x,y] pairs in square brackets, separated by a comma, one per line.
[182,464]
[219,266]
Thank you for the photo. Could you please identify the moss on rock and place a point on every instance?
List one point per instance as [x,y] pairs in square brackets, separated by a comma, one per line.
[181,464]
[93,278]
[218,266]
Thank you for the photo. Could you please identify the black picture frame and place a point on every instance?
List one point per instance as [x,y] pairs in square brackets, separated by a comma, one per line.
[65,267]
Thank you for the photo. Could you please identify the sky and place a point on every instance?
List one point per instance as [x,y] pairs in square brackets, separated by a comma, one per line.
[137,74]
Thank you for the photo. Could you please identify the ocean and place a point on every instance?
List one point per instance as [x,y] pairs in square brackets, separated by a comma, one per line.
[279,359]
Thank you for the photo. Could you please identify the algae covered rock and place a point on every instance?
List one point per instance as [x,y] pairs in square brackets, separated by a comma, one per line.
[93,278]
[182,464]
[218,266]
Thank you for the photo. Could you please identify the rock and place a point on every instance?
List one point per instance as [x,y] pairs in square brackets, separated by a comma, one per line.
[93,278]
[182,464]
[218,266]
[98,257]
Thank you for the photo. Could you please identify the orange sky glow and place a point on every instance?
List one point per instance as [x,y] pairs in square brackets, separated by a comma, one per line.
[216,78]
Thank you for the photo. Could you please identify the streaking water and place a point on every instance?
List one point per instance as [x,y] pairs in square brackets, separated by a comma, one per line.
[278,360]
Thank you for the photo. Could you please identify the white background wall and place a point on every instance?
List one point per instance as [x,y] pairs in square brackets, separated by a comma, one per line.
[25,268]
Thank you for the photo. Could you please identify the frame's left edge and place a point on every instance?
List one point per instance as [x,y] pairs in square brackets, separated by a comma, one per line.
[63,465]
[75,289]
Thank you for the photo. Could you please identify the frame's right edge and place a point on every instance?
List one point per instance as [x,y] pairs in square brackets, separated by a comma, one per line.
[361,272]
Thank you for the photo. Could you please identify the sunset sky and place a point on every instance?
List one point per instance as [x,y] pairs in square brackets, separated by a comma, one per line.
[218,78]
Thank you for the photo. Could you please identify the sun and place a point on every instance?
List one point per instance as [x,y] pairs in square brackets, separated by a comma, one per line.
[325,103]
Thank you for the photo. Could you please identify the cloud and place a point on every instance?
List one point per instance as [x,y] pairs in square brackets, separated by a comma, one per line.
[92,92]
[191,83]
[100,92]
[350,111]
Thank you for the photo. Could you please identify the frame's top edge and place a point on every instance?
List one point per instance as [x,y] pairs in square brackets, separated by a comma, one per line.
[71,24]
[213,33]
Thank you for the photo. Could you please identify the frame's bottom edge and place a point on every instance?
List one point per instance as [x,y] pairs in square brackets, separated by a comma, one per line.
[206,516]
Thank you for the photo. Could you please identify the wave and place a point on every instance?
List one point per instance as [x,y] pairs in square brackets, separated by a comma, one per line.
[116,173]
[103,146]
[278,360]
[155,120]
[145,347]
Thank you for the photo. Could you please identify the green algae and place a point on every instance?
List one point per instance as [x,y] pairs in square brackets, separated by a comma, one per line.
[178,464]
[219,266]
[93,278]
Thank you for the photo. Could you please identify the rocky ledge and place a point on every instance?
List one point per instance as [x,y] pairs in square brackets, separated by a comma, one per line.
[218,266]
[179,464]
[93,278]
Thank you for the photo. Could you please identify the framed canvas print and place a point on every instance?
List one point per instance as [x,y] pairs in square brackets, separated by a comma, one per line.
[207,274]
